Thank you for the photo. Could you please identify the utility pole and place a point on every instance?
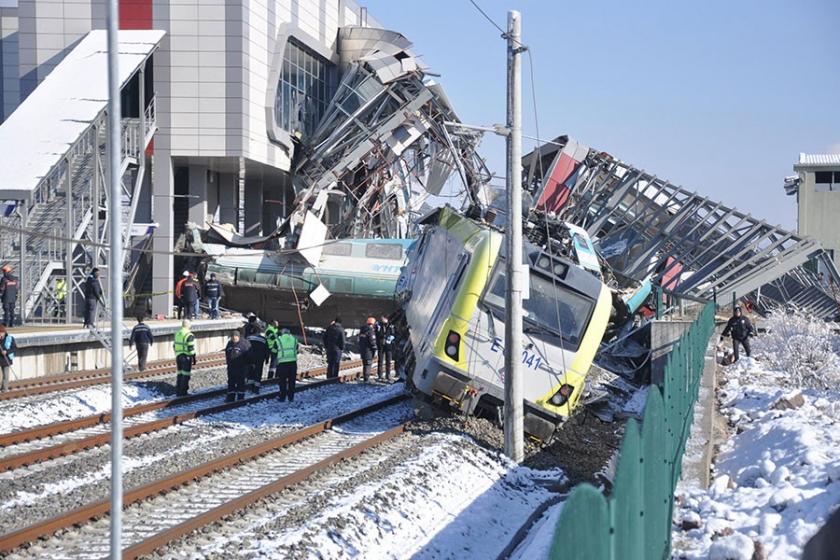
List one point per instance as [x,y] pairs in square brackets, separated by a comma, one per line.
[514,428]
[115,269]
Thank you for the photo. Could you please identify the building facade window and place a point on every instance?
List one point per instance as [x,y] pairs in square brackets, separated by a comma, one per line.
[307,83]
[827,181]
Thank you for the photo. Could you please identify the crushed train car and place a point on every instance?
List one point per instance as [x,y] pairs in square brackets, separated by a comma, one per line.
[353,278]
[452,293]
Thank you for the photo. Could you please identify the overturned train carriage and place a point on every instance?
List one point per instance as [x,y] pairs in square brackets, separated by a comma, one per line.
[357,277]
[452,291]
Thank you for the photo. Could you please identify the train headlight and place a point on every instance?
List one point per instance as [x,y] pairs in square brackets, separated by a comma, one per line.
[562,395]
[452,348]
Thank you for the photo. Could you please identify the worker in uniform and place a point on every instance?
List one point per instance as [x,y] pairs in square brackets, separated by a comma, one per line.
[287,351]
[213,292]
[60,296]
[178,286]
[237,356]
[251,326]
[333,346]
[9,286]
[258,356]
[272,332]
[8,347]
[741,329]
[184,357]
[189,297]
[385,341]
[196,311]
[367,347]
[141,337]
[93,296]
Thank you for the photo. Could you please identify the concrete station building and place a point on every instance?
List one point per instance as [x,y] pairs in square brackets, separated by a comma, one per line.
[817,189]
[221,98]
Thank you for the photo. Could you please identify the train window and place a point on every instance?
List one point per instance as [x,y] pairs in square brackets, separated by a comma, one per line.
[338,249]
[343,285]
[265,278]
[245,275]
[389,251]
[551,306]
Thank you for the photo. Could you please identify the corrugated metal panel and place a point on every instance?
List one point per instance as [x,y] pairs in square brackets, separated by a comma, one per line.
[818,160]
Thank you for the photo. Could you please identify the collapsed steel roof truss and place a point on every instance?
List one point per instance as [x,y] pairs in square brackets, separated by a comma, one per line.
[642,221]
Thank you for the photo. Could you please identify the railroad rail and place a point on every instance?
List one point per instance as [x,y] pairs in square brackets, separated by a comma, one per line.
[175,506]
[32,446]
[102,376]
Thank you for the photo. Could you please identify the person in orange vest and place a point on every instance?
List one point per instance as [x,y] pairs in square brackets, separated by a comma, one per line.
[179,286]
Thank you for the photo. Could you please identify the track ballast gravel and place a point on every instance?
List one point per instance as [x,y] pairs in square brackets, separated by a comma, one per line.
[41,491]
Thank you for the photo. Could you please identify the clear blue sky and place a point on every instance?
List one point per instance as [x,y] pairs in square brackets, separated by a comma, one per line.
[718,96]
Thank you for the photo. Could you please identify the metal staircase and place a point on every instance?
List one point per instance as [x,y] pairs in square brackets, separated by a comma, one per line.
[49,221]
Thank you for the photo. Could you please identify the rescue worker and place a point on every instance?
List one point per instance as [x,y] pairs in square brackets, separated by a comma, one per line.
[9,286]
[213,292]
[196,311]
[184,357]
[141,337]
[334,346]
[60,296]
[189,297]
[367,347]
[251,326]
[93,296]
[741,329]
[178,285]
[386,337]
[8,347]
[237,356]
[258,356]
[272,332]
[287,351]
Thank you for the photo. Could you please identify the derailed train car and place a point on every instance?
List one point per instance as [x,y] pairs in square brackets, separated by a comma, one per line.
[360,276]
[452,292]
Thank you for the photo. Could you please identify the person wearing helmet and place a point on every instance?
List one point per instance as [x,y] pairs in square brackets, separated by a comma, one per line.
[185,359]
[178,292]
[251,326]
[9,286]
[190,293]
[367,347]
[741,329]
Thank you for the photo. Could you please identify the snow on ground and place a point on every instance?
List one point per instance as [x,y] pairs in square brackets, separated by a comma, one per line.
[777,478]
[537,544]
[27,413]
[454,499]
[270,416]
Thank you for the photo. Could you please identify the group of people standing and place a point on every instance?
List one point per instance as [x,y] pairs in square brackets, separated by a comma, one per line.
[247,356]
[375,338]
[188,293]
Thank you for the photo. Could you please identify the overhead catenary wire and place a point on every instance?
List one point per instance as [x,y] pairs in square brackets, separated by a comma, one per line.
[540,141]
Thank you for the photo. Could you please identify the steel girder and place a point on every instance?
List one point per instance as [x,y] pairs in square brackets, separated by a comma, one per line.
[640,221]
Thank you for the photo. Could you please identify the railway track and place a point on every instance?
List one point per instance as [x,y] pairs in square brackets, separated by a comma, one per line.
[102,376]
[51,441]
[167,509]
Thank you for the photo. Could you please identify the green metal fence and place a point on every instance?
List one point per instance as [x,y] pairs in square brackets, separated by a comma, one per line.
[634,522]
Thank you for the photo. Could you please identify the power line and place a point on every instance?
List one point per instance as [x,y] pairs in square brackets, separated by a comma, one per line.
[488,18]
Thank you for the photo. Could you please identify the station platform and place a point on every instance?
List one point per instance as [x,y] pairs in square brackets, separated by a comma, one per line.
[52,349]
